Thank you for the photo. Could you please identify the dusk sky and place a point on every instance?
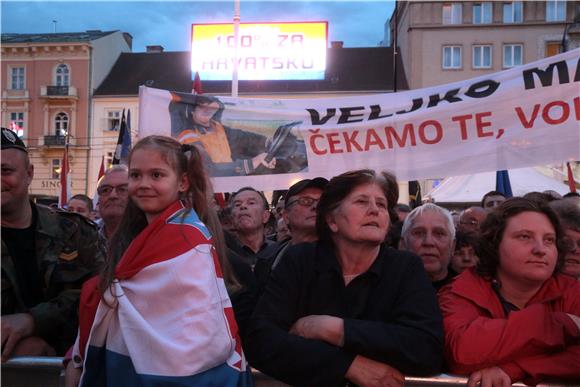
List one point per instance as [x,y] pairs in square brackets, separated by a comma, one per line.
[167,23]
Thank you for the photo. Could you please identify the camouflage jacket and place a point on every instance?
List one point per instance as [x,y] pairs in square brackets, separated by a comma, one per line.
[68,251]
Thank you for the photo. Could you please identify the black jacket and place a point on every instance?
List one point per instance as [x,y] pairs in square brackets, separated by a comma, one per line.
[390,315]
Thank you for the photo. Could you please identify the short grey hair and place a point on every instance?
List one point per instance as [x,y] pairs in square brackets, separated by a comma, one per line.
[427,207]
[114,168]
[568,210]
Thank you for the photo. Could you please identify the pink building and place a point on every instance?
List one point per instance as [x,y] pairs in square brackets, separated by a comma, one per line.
[48,81]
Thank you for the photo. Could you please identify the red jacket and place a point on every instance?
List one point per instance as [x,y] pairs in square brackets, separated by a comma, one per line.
[535,343]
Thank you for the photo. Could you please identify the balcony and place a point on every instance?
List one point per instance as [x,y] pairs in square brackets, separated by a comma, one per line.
[54,140]
[58,92]
[15,95]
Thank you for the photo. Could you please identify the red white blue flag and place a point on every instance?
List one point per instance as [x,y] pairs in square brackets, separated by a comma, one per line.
[169,320]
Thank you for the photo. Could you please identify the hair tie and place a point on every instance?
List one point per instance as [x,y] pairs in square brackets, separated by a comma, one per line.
[186,149]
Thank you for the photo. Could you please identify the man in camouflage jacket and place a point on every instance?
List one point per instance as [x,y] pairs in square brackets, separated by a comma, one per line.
[46,256]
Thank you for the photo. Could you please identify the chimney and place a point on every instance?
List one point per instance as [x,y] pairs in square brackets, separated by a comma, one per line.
[336,44]
[154,49]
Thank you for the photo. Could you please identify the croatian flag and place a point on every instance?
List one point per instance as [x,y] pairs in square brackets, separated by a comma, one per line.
[167,319]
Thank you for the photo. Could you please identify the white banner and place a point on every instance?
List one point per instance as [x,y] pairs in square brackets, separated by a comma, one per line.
[525,116]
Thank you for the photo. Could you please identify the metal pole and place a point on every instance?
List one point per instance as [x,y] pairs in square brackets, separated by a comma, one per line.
[395,49]
[236,38]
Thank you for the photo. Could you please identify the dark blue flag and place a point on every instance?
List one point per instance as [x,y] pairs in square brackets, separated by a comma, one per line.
[502,183]
[124,142]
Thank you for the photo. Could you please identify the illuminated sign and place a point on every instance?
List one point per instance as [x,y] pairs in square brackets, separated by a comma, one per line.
[266,51]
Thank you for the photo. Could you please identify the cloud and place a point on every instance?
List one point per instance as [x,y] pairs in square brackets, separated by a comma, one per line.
[168,23]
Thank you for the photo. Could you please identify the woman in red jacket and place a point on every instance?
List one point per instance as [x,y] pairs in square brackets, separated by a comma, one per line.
[514,318]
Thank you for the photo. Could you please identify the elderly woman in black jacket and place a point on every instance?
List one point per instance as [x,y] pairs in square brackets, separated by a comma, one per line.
[347,309]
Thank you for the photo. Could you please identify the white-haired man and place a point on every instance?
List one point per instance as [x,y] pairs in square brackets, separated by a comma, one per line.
[429,232]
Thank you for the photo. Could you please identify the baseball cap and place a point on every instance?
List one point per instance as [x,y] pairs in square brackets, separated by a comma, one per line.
[11,140]
[317,182]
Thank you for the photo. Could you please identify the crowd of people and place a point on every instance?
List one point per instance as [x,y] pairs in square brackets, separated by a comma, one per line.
[337,285]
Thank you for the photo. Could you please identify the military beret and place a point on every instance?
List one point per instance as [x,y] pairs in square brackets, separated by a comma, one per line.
[11,140]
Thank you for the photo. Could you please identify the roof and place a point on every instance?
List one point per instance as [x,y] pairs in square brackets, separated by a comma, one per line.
[61,37]
[471,188]
[367,69]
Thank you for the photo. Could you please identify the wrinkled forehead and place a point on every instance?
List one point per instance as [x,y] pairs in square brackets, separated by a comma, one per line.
[248,195]
[430,220]
[115,178]
[14,157]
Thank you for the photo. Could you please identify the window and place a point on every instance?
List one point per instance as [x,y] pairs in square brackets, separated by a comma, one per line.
[17,78]
[62,75]
[512,55]
[113,120]
[55,169]
[61,124]
[555,10]
[452,13]
[553,48]
[513,12]
[451,57]
[482,13]
[109,160]
[17,122]
[481,57]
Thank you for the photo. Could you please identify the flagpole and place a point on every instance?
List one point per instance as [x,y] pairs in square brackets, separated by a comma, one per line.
[236,35]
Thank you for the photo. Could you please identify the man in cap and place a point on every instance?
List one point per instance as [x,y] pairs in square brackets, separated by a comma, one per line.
[46,257]
[300,216]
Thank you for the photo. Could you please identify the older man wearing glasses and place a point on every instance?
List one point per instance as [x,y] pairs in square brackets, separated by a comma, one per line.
[299,214]
[113,196]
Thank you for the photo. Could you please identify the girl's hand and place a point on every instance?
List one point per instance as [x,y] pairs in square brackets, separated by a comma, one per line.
[489,377]
[72,375]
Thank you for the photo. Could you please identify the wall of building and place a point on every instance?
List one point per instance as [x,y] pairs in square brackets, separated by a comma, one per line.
[532,38]
[104,140]
[105,52]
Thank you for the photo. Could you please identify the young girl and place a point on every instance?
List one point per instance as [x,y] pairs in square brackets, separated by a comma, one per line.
[160,313]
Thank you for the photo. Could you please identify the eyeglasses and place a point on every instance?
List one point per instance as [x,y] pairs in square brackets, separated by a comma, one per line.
[471,222]
[304,201]
[106,190]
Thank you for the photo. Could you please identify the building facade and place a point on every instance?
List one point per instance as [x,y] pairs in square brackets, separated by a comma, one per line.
[448,41]
[47,86]
[442,42]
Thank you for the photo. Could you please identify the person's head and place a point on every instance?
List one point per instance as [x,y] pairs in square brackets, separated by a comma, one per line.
[471,219]
[112,191]
[568,211]
[81,204]
[540,197]
[300,208]
[464,255]
[402,211]
[250,211]
[225,216]
[521,241]
[157,175]
[492,199]
[428,232]
[357,206]
[279,207]
[207,109]
[282,231]
[17,172]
